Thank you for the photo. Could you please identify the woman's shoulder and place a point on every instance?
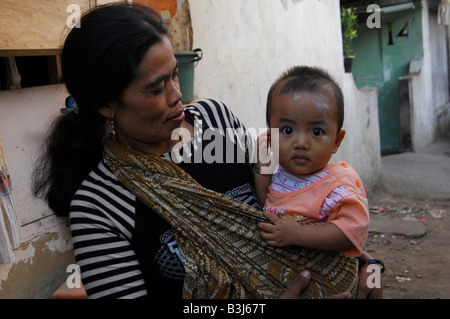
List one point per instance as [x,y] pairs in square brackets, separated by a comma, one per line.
[102,200]
[102,177]
[101,188]
[214,112]
[207,107]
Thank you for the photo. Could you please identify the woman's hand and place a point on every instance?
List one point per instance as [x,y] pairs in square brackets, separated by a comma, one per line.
[300,284]
[364,292]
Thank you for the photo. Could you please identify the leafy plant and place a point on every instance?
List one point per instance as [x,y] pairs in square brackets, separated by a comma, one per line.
[349,26]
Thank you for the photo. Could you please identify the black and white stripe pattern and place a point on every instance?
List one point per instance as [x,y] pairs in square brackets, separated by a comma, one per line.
[217,115]
[102,224]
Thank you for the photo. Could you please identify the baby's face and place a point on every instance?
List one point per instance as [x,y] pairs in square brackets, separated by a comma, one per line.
[308,134]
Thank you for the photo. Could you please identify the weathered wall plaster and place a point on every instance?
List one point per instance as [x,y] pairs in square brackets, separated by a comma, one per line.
[46,250]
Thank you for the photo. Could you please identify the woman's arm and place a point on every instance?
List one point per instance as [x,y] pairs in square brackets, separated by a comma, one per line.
[108,264]
[102,223]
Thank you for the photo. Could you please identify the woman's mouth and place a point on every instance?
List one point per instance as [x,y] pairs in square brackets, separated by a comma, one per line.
[179,117]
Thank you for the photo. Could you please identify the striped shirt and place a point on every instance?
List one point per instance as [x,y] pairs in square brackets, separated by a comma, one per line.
[124,249]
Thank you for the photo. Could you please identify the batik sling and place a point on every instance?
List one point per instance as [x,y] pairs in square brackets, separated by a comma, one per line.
[218,237]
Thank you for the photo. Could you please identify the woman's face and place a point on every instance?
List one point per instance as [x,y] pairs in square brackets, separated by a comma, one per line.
[151,106]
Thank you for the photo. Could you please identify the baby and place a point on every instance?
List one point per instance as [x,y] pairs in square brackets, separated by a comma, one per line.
[310,202]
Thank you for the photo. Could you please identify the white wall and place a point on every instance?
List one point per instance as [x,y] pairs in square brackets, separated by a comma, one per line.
[361,147]
[439,57]
[247,44]
[429,87]
[25,116]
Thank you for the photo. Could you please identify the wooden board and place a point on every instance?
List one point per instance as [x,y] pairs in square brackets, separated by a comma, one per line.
[35,27]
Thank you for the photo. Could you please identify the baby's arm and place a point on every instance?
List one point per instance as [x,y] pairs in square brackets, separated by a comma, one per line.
[285,231]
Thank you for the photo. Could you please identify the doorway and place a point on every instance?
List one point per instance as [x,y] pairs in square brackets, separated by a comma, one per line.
[382,57]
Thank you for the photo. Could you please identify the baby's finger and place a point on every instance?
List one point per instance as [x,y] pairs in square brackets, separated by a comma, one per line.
[266,227]
[272,217]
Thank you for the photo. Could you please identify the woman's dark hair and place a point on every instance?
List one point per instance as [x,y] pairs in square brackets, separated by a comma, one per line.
[99,60]
[307,79]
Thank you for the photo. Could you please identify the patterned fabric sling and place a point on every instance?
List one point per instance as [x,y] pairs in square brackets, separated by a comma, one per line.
[218,237]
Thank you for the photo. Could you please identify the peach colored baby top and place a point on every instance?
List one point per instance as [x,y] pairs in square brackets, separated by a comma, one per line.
[333,195]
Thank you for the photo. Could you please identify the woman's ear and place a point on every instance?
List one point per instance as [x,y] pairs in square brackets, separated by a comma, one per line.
[338,141]
[108,110]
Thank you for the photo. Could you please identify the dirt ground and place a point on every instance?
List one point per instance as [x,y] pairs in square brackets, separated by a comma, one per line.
[415,267]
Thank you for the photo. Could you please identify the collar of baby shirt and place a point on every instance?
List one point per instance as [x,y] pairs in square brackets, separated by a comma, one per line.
[283,181]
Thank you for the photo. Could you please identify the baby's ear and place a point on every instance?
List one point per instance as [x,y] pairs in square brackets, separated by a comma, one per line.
[339,137]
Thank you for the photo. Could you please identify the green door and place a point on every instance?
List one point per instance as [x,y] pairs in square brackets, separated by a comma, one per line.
[382,56]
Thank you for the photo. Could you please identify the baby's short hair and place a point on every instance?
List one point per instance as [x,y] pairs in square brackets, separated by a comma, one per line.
[307,79]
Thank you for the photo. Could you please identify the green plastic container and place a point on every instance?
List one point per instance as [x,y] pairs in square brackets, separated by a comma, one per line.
[186,64]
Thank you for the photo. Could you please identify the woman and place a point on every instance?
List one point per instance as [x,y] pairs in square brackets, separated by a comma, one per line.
[122,76]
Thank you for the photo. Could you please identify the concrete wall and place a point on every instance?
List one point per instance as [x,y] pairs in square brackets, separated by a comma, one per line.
[46,249]
[247,44]
[439,56]
[430,87]
[362,141]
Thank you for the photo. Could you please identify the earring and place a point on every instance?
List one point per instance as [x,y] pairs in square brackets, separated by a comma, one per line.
[113,131]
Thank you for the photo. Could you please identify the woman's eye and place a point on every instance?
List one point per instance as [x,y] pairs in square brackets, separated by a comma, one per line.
[287,130]
[157,91]
[317,131]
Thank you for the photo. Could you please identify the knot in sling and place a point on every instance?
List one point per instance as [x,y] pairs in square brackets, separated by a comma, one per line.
[218,237]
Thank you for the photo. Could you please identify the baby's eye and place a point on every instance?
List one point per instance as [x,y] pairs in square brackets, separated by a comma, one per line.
[317,132]
[287,130]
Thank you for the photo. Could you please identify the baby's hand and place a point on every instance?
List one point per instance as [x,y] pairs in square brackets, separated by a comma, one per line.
[281,232]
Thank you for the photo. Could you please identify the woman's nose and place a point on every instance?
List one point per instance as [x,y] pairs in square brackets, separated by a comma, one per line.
[175,94]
